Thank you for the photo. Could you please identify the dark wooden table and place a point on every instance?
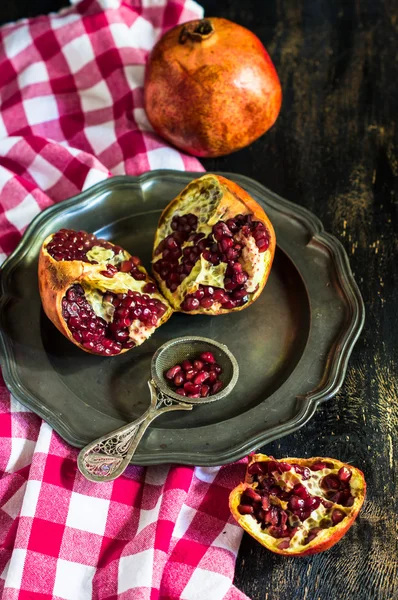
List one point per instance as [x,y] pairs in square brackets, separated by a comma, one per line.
[334,151]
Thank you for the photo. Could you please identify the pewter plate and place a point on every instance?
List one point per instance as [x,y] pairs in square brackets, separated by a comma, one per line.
[292,344]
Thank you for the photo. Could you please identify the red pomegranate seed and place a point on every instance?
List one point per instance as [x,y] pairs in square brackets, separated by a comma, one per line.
[181,391]
[206,302]
[191,388]
[331,482]
[245,509]
[216,387]
[186,365]
[198,365]
[190,374]
[296,503]
[213,377]
[208,357]
[250,493]
[179,379]
[199,294]
[300,491]
[318,466]
[190,303]
[204,391]
[337,516]
[283,545]
[201,377]
[344,474]
[150,288]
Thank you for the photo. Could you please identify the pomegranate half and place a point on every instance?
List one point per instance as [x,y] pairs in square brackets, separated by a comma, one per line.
[98,295]
[211,87]
[298,506]
[214,248]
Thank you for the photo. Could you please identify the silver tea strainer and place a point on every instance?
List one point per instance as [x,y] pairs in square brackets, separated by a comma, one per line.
[107,457]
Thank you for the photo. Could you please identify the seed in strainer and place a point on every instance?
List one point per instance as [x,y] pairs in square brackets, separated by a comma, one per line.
[196,378]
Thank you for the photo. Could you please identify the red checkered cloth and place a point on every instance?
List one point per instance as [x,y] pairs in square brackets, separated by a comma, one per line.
[71,115]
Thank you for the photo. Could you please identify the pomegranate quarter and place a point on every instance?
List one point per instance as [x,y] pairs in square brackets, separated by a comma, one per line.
[298,506]
[98,295]
[214,248]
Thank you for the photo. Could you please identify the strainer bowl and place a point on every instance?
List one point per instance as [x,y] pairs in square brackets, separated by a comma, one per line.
[189,348]
[107,457]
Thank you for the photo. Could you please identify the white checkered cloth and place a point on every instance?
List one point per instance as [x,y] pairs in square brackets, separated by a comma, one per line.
[71,114]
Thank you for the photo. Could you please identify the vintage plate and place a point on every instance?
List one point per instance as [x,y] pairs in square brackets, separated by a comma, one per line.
[292,345]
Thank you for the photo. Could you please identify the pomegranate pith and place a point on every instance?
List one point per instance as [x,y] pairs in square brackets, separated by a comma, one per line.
[294,509]
[97,294]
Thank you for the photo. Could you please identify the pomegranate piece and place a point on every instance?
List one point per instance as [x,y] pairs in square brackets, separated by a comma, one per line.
[97,294]
[212,269]
[286,504]
[192,377]
[210,87]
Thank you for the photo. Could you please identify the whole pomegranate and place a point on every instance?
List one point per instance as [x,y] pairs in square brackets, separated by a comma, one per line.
[211,87]
[298,506]
[214,248]
[98,295]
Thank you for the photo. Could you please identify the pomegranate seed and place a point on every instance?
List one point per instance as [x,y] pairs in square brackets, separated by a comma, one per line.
[181,391]
[337,516]
[245,509]
[199,294]
[250,493]
[318,466]
[331,482]
[172,372]
[206,302]
[296,503]
[190,374]
[208,357]
[201,377]
[311,502]
[150,288]
[300,491]
[191,388]
[198,365]
[229,305]
[283,545]
[204,391]
[186,365]
[179,379]
[190,304]
[216,387]
[126,266]
[344,474]
[212,376]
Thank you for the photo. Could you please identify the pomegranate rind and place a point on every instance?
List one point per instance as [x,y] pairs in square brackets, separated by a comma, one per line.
[212,96]
[234,201]
[56,277]
[326,538]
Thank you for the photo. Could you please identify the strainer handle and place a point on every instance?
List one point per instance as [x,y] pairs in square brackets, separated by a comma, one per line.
[106,458]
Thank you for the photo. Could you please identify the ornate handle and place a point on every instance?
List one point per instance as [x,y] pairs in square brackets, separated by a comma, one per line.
[107,457]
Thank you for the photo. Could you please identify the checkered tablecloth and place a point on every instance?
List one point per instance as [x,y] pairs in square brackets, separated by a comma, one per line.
[71,114]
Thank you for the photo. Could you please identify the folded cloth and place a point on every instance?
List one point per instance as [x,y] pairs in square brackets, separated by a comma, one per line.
[71,97]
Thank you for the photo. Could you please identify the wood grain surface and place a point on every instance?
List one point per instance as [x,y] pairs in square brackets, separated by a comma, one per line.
[334,151]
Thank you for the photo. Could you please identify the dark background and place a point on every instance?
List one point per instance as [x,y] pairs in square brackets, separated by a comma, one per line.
[334,151]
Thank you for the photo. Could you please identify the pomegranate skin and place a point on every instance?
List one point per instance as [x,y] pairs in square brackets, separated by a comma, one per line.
[211,87]
[326,538]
